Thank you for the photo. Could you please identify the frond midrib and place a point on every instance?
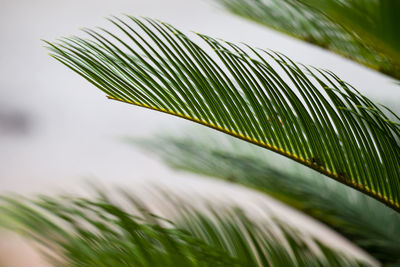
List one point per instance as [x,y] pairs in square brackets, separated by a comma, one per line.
[313,165]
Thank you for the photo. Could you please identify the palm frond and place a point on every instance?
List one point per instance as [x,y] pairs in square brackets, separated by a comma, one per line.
[262,97]
[351,213]
[364,31]
[99,232]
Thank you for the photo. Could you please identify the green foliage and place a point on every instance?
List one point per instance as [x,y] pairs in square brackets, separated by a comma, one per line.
[366,222]
[308,115]
[99,232]
[364,31]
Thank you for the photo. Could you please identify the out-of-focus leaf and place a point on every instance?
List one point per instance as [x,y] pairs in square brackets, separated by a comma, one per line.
[369,224]
[99,232]
[366,31]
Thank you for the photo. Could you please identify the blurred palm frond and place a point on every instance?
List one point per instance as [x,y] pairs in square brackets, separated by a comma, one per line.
[363,31]
[351,213]
[99,232]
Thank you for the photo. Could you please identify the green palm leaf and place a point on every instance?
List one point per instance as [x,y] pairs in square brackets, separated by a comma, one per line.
[99,232]
[364,31]
[262,97]
[338,206]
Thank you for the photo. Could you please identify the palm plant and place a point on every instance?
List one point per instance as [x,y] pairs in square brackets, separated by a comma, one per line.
[100,232]
[334,204]
[305,114]
[364,31]
[314,117]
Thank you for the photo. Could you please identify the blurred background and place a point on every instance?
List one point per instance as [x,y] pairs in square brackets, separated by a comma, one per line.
[57,130]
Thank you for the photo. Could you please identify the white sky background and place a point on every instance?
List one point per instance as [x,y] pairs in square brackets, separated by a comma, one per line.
[74,128]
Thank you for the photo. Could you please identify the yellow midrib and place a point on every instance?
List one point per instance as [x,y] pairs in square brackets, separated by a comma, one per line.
[308,163]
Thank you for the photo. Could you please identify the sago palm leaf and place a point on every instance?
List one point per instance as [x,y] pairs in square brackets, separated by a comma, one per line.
[99,232]
[364,31]
[308,115]
[353,214]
